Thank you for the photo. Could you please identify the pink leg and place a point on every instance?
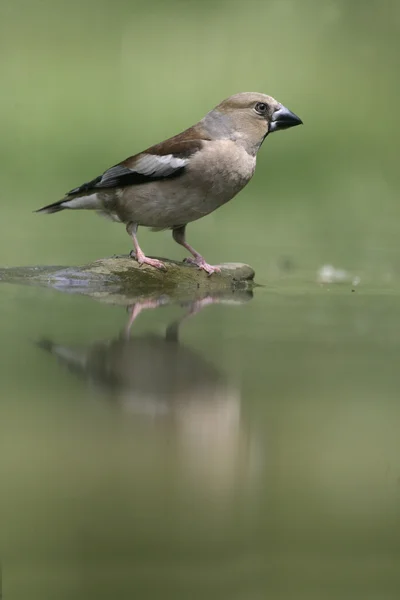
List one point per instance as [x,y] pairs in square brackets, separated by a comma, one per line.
[179,237]
[139,254]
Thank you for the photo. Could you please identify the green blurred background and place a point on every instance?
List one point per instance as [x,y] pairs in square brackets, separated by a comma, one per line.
[84,85]
[288,484]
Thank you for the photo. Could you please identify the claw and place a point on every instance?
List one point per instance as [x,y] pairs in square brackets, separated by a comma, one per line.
[201,264]
[145,260]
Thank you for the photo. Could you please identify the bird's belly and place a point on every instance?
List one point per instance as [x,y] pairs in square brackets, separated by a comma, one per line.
[164,206]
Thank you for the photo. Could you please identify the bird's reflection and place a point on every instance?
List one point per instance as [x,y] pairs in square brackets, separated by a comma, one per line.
[148,373]
[159,377]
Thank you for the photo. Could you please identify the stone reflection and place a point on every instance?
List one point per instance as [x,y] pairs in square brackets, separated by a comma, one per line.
[162,379]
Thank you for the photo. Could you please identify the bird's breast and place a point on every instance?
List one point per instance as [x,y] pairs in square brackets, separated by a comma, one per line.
[222,169]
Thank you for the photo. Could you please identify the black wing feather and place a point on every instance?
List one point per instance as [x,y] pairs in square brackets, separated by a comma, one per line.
[147,166]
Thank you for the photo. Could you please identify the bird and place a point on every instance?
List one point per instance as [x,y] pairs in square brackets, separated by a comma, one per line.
[187,176]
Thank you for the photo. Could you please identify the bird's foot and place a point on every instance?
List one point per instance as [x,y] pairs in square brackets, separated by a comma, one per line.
[201,264]
[145,260]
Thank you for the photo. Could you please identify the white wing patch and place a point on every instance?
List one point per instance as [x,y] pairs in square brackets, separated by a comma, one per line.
[159,166]
[142,169]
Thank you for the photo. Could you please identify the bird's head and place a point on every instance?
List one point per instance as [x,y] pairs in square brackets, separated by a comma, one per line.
[249,117]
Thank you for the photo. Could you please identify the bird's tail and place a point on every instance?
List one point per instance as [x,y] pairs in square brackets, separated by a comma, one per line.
[73,201]
[53,208]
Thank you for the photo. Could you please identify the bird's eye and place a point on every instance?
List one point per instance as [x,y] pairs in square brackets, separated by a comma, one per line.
[261,108]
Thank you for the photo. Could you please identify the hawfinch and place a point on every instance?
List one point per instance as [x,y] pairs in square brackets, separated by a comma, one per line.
[186,177]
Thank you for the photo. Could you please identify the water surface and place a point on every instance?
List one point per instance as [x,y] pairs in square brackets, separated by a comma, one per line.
[240,449]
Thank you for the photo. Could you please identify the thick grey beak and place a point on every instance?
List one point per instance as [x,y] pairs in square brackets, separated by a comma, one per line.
[283,118]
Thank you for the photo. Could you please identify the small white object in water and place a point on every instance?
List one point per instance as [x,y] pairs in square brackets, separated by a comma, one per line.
[329,274]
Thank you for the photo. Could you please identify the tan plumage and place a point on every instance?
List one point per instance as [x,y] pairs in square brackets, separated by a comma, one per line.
[187,176]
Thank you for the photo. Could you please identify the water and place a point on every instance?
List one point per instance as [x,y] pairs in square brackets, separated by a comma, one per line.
[242,448]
